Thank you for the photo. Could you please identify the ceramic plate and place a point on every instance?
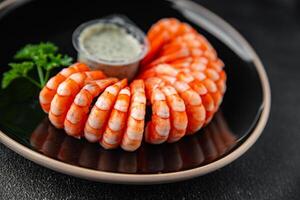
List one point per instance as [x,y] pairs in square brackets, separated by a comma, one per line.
[26,130]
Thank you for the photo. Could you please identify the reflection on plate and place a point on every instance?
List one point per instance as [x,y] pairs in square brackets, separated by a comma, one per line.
[193,151]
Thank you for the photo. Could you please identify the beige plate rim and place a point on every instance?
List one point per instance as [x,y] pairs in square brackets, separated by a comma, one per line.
[166,177]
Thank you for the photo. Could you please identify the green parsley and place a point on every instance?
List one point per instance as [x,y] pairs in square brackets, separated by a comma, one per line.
[41,57]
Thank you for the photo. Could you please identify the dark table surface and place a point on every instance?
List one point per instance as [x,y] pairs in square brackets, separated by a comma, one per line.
[269,170]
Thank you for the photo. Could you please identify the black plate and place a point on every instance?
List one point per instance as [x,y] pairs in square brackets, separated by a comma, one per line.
[51,20]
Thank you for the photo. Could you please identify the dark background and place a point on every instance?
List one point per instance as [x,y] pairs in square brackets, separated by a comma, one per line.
[269,170]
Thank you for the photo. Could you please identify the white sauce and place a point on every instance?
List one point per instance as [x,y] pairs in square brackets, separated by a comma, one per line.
[109,42]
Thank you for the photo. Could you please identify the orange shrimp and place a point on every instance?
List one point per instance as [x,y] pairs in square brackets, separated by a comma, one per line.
[169,70]
[209,77]
[201,64]
[217,97]
[194,107]
[194,82]
[186,46]
[134,130]
[161,33]
[78,112]
[65,95]
[221,83]
[180,54]
[168,24]
[178,116]
[189,40]
[48,92]
[158,129]
[113,133]
[214,79]
[99,114]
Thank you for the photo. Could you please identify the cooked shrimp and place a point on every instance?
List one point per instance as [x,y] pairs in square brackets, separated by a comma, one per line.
[221,83]
[170,25]
[194,107]
[161,33]
[210,78]
[113,133]
[78,112]
[169,70]
[180,54]
[66,93]
[153,50]
[158,129]
[194,81]
[99,114]
[134,130]
[190,41]
[48,92]
[185,47]
[178,116]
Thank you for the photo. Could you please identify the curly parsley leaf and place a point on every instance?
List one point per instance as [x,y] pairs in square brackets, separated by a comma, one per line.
[8,77]
[17,70]
[58,60]
[34,51]
[22,68]
[43,57]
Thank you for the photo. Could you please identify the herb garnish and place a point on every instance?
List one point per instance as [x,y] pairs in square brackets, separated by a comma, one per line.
[43,57]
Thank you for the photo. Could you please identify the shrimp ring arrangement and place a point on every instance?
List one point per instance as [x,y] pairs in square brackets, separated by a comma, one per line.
[178,89]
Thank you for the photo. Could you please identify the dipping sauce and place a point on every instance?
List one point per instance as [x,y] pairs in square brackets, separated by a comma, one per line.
[112,44]
[109,42]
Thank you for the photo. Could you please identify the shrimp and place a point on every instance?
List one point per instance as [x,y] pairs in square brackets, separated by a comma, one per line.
[185,46]
[48,92]
[194,107]
[99,114]
[113,133]
[180,54]
[77,114]
[221,83]
[168,24]
[169,70]
[196,85]
[195,82]
[66,93]
[190,40]
[134,130]
[212,69]
[178,116]
[209,78]
[214,81]
[161,33]
[158,129]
